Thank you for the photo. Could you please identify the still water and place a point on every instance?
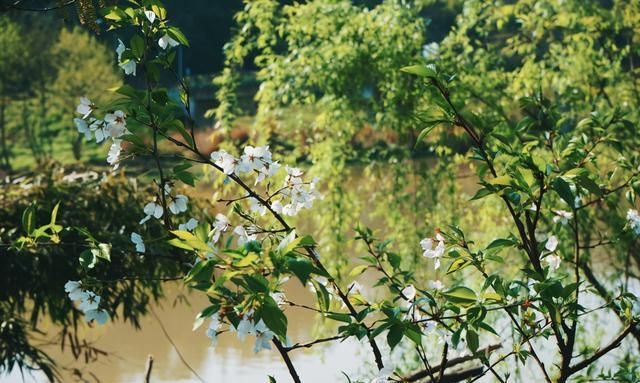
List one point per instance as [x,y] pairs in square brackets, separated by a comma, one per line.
[230,361]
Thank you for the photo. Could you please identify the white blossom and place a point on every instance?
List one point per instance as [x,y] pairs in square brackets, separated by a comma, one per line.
[85,107]
[254,158]
[430,50]
[137,240]
[99,315]
[256,206]
[409,293]
[152,209]
[113,157]
[191,224]
[243,235]
[99,130]
[552,243]
[212,330]
[383,375]
[553,261]
[244,328]
[83,128]
[430,251]
[89,302]
[263,337]
[226,161]
[279,297]
[562,216]
[634,220]
[129,67]
[120,49]
[220,225]
[74,289]
[151,16]
[437,284]
[277,206]
[116,124]
[178,204]
[166,41]
[287,240]
[267,171]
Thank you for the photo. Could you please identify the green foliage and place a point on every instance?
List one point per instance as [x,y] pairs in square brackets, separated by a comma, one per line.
[56,212]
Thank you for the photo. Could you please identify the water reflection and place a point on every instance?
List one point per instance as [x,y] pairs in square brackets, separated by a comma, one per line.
[231,360]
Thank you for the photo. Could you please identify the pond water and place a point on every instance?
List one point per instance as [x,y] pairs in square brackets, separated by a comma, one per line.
[231,360]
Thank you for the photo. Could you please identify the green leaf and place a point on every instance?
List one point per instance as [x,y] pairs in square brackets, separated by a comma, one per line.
[339,317]
[302,268]
[501,180]
[190,240]
[273,317]
[177,35]
[563,189]
[413,332]
[175,242]
[28,219]
[201,272]
[460,295]
[204,314]
[472,340]
[457,265]
[87,259]
[256,283]
[307,240]
[358,270]
[137,46]
[114,14]
[491,296]
[395,334]
[324,299]
[500,242]
[421,70]
[481,193]
[54,214]
[430,126]
[103,251]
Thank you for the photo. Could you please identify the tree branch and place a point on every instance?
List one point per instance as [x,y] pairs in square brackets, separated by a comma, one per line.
[603,351]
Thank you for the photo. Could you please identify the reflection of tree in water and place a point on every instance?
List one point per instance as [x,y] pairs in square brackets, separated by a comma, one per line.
[33,278]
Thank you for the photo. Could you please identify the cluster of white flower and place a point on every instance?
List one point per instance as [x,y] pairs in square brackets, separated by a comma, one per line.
[129,65]
[254,159]
[430,251]
[634,220]
[262,333]
[177,205]
[113,126]
[297,194]
[89,302]
[301,195]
